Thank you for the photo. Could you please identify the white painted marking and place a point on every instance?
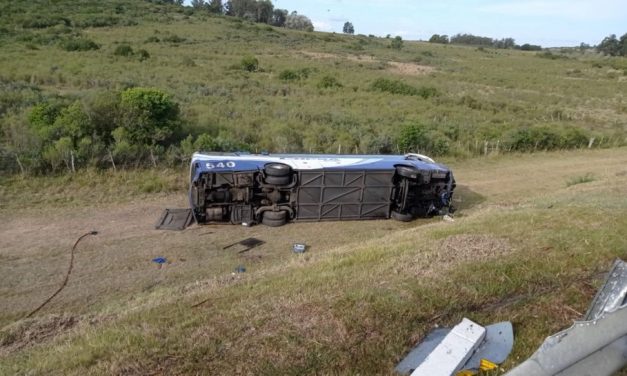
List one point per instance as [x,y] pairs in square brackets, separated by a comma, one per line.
[454,350]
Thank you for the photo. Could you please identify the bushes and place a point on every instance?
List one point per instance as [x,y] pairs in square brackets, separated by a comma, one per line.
[79,44]
[293,75]
[100,130]
[415,137]
[329,82]
[546,137]
[173,38]
[401,88]
[249,63]
[123,50]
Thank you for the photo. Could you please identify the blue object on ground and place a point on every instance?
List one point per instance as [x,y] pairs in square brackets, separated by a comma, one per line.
[159,260]
[240,269]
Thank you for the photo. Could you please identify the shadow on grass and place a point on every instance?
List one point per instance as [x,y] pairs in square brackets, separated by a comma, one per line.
[465,198]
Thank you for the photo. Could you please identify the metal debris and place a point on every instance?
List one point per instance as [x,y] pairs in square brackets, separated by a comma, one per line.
[299,247]
[494,348]
[175,219]
[248,244]
[596,346]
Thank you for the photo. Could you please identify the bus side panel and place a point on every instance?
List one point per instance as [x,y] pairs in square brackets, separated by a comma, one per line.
[344,194]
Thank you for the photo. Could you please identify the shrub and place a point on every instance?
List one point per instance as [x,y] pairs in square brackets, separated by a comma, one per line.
[152,39]
[188,62]
[98,21]
[546,137]
[143,55]
[250,63]
[79,44]
[289,75]
[40,22]
[328,82]
[149,116]
[123,50]
[587,178]
[415,137]
[173,38]
[401,88]
[396,43]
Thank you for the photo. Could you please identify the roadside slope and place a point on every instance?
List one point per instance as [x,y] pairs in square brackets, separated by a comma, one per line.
[530,245]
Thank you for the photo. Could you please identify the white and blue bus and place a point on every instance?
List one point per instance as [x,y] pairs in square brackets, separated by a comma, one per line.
[273,189]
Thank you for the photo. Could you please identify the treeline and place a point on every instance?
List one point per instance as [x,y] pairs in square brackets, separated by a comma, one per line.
[261,11]
[613,46]
[474,40]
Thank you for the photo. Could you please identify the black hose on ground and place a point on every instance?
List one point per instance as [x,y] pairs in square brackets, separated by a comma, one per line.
[67,275]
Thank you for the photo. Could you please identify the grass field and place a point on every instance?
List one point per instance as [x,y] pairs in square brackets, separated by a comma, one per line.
[482,95]
[530,244]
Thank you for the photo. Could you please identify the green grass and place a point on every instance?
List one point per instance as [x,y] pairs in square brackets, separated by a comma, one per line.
[89,187]
[581,179]
[482,96]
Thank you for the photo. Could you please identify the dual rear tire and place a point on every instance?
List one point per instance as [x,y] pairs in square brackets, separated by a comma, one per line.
[274,219]
[277,174]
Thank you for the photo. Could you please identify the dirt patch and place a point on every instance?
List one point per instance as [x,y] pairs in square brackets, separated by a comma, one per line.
[320,55]
[467,247]
[409,69]
[30,332]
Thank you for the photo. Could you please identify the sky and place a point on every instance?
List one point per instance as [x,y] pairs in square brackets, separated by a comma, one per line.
[549,23]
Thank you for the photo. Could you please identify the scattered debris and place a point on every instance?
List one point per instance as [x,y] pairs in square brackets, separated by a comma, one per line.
[175,219]
[467,346]
[595,346]
[299,247]
[448,218]
[159,260]
[240,269]
[249,244]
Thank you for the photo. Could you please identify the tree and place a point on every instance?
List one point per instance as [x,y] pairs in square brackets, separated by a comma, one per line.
[437,38]
[348,28]
[623,45]
[215,6]
[265,11]
[278,17]
[240,8]
[609,46]
[396,43]
[505,43]
[198,4]
[298,22]
[149,116]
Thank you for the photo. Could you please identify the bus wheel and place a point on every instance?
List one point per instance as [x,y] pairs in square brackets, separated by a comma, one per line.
[401,217]
[277,169]
[274,219]
[277,180]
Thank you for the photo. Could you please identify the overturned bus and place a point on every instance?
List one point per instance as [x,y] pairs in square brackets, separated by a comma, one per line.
[273,189]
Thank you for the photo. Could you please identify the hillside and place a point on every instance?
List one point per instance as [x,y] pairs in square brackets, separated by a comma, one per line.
[312,92]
